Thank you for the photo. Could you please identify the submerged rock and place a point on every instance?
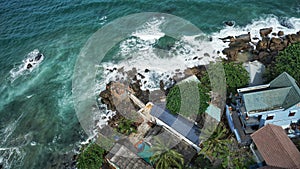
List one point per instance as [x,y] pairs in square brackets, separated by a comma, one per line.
[229,23]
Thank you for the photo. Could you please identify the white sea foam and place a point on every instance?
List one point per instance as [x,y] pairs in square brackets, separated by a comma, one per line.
[138,52]
[150,31]
[32,59]
[253,28]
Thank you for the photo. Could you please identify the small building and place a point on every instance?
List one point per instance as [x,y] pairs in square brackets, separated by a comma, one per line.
[273,147]
[120,157]
[177,124]
[275,103]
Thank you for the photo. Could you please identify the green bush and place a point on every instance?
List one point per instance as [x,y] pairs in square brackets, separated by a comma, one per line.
[288,61]
[236,77]
[187,92]
[90,157]
[126,126]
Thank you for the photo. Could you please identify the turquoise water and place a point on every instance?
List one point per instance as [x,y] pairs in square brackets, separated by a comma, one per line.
[38,124]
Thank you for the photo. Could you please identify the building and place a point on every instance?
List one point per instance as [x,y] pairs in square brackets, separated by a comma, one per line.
[275,103]
[120,157]
[273,148]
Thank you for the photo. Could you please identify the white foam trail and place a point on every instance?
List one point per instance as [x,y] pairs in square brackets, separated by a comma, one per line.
[150,31]
[9,129]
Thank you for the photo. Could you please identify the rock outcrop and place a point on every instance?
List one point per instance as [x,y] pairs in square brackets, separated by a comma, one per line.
[265,50]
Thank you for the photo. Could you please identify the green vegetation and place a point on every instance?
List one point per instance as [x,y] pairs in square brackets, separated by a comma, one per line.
[236,76]
[164,157]
[193,94]
[90,157]
[221,147]
[126,126]
[288,61]
[200,162]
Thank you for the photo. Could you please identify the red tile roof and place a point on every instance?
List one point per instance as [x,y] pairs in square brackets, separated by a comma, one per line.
[276,147]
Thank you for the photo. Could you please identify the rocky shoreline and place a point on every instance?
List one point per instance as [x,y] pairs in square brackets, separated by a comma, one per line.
[264,49]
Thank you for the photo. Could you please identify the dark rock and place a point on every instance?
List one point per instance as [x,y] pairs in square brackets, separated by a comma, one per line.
[38,57]
[161,85]
[274,34]
[230,53]
[286,42]
[255,52]
[207,55]
[195,58]
[229,23]
[105,94]
[296,37]
[276,40]
[29,66]
[142,76]
[243,37]
[255,38]
[265,32]
[240,46]
[262,45]
[147,70]
[134,78]
[263,54]
[280,33]
[227,39]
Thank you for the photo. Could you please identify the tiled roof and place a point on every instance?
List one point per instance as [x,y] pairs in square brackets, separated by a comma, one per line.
[123,158]
[265,99]
[283,92]
[285,80]
[183,126]
[276,147]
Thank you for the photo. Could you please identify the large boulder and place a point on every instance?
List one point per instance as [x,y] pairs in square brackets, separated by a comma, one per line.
[230,53]
[265,32]
[280,33]
[243,37]
[262,45]
[276,40]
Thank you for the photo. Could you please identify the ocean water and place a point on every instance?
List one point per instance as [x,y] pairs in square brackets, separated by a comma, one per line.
[39,127]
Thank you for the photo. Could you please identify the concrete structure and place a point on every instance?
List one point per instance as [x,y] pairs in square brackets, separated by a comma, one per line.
[255,70]
[275,103]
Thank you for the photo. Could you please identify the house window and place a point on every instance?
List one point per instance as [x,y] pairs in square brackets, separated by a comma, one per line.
[292,113]
[270,117]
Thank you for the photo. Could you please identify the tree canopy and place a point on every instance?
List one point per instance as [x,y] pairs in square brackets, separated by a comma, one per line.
[236,76]
[165,157]
[188,99]
[288,61]
[90,157]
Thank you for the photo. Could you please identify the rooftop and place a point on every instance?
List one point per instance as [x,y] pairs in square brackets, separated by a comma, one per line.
[276,147]
[282,92]
[183,126]
[123,158]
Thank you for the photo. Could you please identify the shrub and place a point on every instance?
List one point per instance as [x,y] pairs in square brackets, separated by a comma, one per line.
[90,157]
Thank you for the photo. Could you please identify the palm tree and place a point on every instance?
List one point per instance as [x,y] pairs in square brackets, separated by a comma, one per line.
[163,157]
[216,146]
